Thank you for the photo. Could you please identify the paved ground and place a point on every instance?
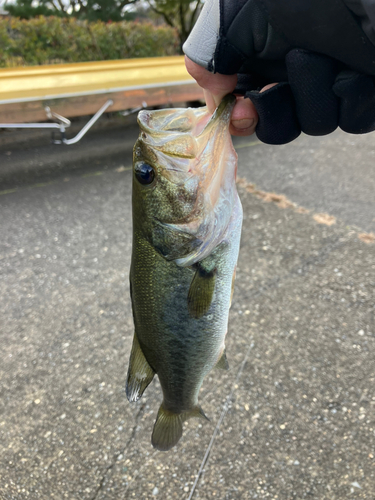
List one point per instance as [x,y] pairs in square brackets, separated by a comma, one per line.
[297,407]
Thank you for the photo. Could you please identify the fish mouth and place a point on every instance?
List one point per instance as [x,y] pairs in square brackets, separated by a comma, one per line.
[175,132]
[180,138]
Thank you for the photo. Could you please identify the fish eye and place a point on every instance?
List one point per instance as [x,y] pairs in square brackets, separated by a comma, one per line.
[144,173]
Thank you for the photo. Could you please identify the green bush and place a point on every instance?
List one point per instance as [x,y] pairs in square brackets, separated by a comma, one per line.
[49,40]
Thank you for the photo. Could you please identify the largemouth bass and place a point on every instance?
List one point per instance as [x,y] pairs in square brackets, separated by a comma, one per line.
[187,220]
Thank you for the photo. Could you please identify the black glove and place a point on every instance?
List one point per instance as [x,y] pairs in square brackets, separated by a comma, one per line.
[315,100]
[315,48]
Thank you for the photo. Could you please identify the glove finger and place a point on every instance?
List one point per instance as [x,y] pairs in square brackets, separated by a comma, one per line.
[311,77]
[278,123]
[357,94]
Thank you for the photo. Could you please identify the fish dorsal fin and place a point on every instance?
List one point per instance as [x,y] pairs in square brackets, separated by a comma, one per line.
[201,291]
[168,426]
[223,362]
[140,373]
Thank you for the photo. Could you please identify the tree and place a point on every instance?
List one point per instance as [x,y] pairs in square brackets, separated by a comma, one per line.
[26,10]
[180,14]
[105,10]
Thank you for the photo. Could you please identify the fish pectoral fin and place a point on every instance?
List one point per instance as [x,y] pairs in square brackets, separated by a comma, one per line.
[140,373]
[168,426]
[223,362]
[201,292]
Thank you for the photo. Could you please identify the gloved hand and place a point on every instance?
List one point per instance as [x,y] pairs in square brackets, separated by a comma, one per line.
[316,49]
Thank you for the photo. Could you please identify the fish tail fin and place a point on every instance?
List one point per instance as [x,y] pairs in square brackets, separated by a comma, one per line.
[168,427]
[140,373]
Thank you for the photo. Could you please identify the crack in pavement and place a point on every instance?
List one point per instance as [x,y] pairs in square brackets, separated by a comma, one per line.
[121,452]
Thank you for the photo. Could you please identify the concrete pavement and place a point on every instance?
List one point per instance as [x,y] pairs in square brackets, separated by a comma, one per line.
[297,405]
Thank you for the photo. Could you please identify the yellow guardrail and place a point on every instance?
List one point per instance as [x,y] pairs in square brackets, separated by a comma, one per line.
[62,80]
[68,87]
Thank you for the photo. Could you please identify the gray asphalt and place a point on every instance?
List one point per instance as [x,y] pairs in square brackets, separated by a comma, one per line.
[297,406]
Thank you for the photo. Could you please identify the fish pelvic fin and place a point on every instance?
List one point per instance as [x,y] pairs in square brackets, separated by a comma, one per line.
[140,373]
[201,292]
[168,426]
[223,362]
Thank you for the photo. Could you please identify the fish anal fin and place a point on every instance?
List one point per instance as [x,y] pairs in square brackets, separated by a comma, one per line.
[140,373]
[223,362]
[168,426]
[196,412]
[201,292]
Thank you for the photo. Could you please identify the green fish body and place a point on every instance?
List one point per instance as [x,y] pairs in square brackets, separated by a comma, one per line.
[187,220]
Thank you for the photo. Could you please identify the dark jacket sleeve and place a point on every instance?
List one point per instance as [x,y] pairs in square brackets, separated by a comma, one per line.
[231,36]
[322,53]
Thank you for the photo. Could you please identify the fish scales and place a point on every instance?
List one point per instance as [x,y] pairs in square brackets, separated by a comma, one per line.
[186,231]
